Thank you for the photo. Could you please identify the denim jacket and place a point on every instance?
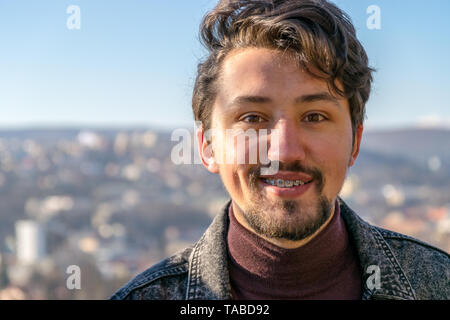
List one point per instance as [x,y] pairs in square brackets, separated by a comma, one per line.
[394,266]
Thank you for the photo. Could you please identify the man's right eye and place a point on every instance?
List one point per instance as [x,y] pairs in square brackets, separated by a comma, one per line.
[252,118]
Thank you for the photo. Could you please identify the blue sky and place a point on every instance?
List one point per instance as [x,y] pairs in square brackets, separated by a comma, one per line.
[133,62]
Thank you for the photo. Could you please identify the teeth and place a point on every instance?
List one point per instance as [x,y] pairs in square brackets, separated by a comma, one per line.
[284,183]
[288,183]
[280,183]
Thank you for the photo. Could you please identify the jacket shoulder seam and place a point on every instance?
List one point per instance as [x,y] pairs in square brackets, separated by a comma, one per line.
[153,276]
[387,234]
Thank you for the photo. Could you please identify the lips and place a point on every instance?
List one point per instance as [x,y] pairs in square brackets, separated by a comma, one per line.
[286,184]
[289,176]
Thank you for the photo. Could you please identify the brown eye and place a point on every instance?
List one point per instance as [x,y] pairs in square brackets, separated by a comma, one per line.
[314,117]
[252,118]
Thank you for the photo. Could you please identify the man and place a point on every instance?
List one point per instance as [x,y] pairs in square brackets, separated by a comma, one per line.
[294,71]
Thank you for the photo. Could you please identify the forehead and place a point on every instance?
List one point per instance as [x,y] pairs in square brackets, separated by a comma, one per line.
[265,72]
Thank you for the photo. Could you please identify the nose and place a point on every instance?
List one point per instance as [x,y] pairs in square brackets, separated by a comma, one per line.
[286,142]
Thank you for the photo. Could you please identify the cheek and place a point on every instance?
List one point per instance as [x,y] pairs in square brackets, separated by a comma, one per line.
[237,148]
[331,157]
[232,161]
[234,180]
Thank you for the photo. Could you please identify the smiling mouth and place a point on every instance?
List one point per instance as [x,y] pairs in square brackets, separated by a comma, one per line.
[281,183]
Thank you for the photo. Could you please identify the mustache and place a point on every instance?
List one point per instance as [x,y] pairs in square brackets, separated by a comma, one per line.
[254,172]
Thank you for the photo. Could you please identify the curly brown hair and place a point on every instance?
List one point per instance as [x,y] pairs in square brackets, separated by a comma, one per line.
[318,35]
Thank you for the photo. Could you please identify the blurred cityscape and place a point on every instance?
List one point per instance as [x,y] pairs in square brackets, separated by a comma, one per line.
[113,203]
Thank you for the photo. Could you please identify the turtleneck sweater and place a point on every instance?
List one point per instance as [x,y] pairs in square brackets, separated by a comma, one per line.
[325,268]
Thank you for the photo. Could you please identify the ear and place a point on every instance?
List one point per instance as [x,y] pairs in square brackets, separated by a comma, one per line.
[206,152]
[356,145]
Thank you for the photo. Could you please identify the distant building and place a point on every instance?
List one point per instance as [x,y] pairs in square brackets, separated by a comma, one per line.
[30,241]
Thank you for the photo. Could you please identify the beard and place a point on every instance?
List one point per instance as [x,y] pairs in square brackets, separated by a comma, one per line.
[286,219]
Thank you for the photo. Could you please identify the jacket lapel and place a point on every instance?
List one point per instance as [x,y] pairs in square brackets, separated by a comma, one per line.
[376,260]
[208,264]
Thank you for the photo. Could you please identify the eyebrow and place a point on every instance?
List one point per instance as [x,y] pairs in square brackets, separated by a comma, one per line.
[321,96]
[307,98]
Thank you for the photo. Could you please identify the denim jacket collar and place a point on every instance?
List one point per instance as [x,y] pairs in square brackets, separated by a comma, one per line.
[208,277]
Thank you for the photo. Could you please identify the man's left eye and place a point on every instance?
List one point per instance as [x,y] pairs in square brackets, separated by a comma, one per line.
[314,117]
[252,118]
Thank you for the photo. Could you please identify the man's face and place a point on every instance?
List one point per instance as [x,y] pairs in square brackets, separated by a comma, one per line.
[262,89]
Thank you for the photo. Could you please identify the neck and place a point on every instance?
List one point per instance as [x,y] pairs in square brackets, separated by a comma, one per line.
[282,243]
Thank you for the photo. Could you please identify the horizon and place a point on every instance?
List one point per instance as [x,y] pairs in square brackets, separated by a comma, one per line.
[130,127]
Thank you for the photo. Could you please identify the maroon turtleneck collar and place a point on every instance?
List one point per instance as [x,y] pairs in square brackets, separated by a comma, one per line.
[324,268]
